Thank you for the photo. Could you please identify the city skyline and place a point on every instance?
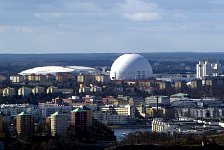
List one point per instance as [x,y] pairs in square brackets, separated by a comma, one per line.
[97,26]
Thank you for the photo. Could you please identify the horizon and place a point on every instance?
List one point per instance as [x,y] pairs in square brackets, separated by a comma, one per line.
[99,26]
[110,53]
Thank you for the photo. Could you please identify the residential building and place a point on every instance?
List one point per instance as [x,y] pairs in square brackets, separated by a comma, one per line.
[63,77]
[164,85]
[24,91]
[17,79]
[36,78]
[86,79]
[102,78]
[79,118]
[180,86]
[14,109]
[208,69]
[66,91]
[113,119]
[128,110]
[89,115]
[38,90]
[8,91]
[96,89]
[52,89]
[179,96]
[58,124]
[214,86]
[84,89]
[162,100]
[196,84]
[24,124]
[47,110]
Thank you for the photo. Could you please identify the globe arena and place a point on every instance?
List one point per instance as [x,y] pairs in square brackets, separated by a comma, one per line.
[131,67]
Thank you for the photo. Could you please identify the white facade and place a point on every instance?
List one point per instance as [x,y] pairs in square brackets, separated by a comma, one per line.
[112,119]
[127,110]
[58,124]
[205,68]
[130,67]
[159,125]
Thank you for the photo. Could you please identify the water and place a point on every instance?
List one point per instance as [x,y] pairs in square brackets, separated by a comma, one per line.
[122,133]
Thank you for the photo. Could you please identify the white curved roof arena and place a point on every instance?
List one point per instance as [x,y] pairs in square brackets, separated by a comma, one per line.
[58,69]
[131,67]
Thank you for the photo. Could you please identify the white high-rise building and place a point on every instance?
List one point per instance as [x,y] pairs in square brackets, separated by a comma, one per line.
[205,68]
[58,124]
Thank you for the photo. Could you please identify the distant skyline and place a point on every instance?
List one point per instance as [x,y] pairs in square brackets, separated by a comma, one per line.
[111,26]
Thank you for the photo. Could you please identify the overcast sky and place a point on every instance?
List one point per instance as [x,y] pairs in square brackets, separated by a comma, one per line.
[89,26]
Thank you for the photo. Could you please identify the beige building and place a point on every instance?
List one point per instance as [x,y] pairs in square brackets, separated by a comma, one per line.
[102,78]
[36,78]
[17,79]
[86,79]
[52,89]
[8,91]
[38,90]
[63,77]
[58,124]
[24,124]
[24,91]
[164,85]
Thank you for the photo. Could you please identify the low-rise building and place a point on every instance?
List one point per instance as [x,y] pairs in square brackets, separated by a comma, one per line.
[48,110]
[128,110]
[66,91]
[162,100]
[179,96]
[15,109]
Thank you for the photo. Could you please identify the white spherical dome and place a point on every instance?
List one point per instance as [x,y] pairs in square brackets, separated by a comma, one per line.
[130,67]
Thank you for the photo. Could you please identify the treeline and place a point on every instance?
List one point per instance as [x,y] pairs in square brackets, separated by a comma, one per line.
[164,139]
